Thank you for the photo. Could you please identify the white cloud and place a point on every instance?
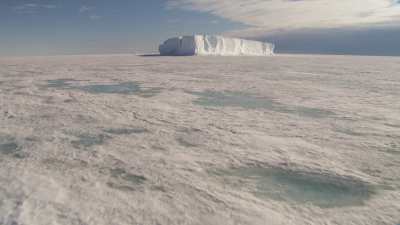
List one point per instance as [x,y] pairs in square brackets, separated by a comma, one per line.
[94,17]
[264,16]
[32,7]
[26,6]
[48,6]
[89,11]
[173,20]
[85,8]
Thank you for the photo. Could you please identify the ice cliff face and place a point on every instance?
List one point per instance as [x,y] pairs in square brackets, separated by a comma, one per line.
[214,45]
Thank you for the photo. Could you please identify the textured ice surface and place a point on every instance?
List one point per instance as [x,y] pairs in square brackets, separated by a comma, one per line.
[214,45]
[244,100]
[132,140]
[8,145]
[125,181]
[88,140]
[121,131]
[323,190]
[118,88]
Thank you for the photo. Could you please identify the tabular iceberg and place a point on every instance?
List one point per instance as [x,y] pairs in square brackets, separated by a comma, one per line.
[214,45]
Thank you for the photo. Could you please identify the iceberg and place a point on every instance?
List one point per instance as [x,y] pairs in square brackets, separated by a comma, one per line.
[215,46]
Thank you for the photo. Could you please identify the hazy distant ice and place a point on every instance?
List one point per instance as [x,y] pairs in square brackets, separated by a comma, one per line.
[121,139]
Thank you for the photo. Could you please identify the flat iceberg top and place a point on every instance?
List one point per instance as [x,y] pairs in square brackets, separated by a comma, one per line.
[214,45]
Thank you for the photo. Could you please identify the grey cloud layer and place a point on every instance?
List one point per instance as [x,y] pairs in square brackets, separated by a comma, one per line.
[266,16]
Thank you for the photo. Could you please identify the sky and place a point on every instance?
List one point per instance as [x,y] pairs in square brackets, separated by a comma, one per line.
[57,27]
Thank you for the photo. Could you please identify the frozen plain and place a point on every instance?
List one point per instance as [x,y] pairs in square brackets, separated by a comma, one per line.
[199,140]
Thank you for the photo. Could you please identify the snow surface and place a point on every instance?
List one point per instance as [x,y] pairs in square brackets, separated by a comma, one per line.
[100,140]
[214,45]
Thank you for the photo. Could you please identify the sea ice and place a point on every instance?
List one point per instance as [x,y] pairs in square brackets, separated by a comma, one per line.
[121,139]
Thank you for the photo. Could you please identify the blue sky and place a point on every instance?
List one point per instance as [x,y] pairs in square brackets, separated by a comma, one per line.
[47,27]
[97,26]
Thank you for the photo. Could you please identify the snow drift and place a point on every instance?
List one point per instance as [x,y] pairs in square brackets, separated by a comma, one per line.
[214,45]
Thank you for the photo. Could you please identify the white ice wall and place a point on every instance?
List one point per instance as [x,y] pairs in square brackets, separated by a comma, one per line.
[215,45]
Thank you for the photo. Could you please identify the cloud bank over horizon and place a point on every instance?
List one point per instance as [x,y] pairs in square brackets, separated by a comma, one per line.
[52,27]
[264,17]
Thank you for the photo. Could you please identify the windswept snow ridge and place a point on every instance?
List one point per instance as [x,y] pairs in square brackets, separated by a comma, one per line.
[214,45]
